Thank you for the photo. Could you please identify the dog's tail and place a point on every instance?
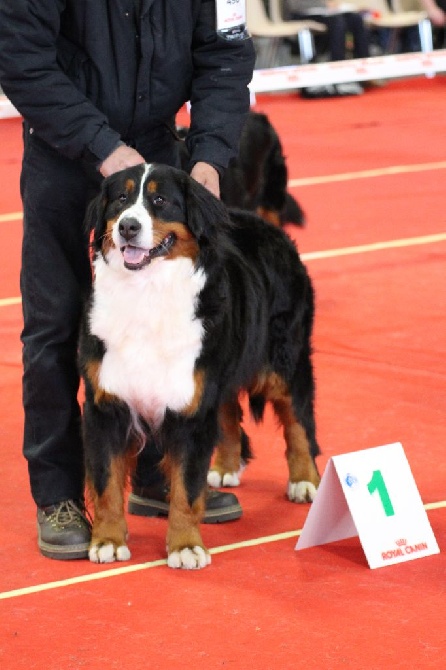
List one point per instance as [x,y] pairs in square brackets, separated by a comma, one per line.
[292,212]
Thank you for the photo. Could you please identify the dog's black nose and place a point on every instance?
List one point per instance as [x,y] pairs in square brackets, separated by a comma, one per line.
[129,228]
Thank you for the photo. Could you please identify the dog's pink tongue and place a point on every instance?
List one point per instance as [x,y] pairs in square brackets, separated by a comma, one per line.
[133,255]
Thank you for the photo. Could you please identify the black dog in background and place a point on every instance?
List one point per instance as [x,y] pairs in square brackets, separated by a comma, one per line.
[257,179]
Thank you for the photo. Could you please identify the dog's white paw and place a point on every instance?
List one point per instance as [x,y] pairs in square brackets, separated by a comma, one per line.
[228,479]
[301,492]
[215,479]
[231,479]
[106,553]
[189,559]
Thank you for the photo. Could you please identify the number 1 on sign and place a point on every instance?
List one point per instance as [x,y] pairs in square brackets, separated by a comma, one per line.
[377,484]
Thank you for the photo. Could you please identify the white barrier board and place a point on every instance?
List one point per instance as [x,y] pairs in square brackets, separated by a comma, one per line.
[291,77]
[371,493]
[7,110]
[338,72]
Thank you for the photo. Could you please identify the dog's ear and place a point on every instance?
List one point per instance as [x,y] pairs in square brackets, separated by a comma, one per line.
[206,215]
[94,217]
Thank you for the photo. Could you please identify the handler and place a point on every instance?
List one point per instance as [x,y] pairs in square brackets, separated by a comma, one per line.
[98,85]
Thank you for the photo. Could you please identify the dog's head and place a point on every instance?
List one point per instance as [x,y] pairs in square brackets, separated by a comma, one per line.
[151,212]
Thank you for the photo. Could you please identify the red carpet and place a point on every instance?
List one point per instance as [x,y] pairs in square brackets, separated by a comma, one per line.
[380,352]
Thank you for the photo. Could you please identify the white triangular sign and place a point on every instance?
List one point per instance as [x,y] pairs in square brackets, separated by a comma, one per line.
[371,493]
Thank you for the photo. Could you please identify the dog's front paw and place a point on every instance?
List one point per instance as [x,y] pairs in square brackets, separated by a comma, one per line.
[108,552]
[190,558]
[301,492]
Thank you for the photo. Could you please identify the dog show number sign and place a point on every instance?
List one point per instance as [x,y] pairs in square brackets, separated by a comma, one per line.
[372,494]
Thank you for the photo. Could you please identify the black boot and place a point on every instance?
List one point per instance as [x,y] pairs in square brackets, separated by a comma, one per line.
[154,501]
[64,530]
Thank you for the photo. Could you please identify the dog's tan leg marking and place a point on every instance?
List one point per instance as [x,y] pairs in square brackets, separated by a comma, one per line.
[226,467]
[303,476]
[194,405]
[109,534]
[92,370]
[185,548]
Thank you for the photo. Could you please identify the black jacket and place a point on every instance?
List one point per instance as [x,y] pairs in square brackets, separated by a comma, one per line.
[86,74]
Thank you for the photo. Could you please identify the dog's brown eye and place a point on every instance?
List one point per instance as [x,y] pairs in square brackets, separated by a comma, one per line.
[122,197]
[158,200]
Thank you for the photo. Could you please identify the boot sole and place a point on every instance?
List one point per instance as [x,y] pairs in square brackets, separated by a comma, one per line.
[59,552]
[77,551]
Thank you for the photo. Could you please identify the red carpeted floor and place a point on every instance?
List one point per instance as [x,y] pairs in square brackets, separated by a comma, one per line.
[380,362]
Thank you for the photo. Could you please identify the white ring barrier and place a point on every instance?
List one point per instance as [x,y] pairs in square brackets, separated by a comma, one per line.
[337,72]
[291,77]
[7,111]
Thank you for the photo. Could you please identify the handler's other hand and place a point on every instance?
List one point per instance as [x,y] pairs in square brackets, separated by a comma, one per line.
[208,176]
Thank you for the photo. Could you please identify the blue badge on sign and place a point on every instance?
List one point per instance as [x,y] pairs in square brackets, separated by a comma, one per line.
[351,480]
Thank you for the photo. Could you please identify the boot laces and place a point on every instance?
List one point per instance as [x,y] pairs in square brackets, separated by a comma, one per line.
[69,513]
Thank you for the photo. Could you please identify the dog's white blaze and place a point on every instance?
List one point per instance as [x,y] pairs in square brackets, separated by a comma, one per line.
[147,321]
[139,212]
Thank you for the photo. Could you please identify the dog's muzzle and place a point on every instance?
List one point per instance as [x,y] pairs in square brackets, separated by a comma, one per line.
[135,258]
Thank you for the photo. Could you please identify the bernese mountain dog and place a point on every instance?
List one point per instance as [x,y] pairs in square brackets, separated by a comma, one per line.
[191,304]
[257,178]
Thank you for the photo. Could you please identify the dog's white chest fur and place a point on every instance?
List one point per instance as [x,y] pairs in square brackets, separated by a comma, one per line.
[147,321]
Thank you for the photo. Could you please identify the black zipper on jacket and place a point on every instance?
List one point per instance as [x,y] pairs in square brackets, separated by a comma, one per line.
[137,22]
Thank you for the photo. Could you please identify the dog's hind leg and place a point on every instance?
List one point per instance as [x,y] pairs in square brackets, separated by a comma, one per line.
[303,475]
[300,444]
[233,450]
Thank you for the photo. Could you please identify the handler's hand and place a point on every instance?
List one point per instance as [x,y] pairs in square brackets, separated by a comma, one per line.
[208,176]
[121,158]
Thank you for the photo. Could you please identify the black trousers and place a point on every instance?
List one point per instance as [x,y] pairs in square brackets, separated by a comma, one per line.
[55,279]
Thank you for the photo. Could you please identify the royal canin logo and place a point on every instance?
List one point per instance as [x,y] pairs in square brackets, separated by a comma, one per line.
[403,549]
